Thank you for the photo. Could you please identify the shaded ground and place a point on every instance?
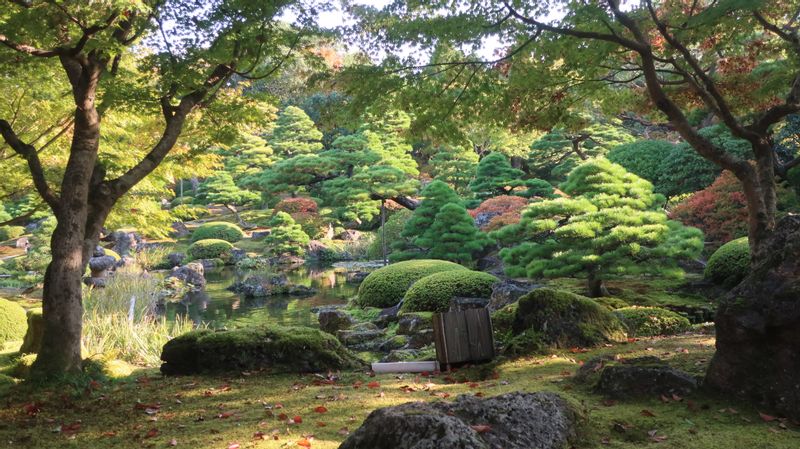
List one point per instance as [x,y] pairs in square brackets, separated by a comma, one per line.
[261,411]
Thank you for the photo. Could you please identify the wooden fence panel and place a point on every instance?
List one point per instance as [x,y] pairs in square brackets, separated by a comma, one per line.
[463,336]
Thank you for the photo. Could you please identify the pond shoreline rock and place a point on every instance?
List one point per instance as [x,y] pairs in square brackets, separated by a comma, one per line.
[257,286]
[510,421]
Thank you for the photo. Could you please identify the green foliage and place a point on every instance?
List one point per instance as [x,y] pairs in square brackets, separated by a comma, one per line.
[209,249]
[455,166]
[221,189]
[730,263]
[278,349]
[295,133]
[648,159]
[609,225]
[11,232]
[13,321]
[453,236]
[566,320]
[218,230]
[391,229]
[188,212]
[651,321]
[434,196]
[386,286]
[248,158]
[286,236]
[495,176]
[37,258]
[433,293]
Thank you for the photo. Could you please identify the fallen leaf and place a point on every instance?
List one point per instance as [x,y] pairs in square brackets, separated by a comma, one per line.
[151,433]
[320,409]
[343,431]
[481,428]
[609,402]
[304,443]
[225,415]
[373,384]
[173,442]
[234,446]
[646,412]
[321,424]
[766,418]
[297,419]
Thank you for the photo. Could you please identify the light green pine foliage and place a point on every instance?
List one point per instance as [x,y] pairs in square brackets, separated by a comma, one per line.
[295,133]
[454,236]
[495,176]
[455,166]
[434,196]
[248,158]
[286,236]
[221,189]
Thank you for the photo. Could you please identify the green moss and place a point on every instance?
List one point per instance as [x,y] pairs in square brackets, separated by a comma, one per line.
[611,303]
[274,348]
[209,249]
[730,263]
[22,366]
[433,293]
[218,230]
[386,286]
[503,319]
[566,320]
[13,321]
[650,321]
[364,314]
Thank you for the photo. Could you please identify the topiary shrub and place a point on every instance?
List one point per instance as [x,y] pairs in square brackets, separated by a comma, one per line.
[386,286]
[433,293]
[218,230]
[566,320]
[209,249]
[730,263]
[11,232]
[13,321]
[651,321]
[273,348]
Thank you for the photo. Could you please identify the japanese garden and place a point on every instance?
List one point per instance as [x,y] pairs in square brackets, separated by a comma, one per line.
[387,224]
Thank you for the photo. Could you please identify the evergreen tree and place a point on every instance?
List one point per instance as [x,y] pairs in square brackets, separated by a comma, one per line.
[220,189]
[286,236]
[609,225]
[495,176]
[454,236]
[248,158]
[435,195]
[455,166]
[391,130]
[295,133]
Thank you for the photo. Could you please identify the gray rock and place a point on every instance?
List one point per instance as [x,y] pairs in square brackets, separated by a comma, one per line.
[515,421]
[356,277]
[210,264]
[393,343]
[192,274]
[95,282]
[459,304]
[411,324]
[98,251]
[260,234]
[100,265]
[508,291]
[175,259]
[333,320]
[643,377]
[354,337]
[237,255]
[351,235]
[179,229]
[125,243]
[420,339]
[256,286]
[400,355]
[22,242]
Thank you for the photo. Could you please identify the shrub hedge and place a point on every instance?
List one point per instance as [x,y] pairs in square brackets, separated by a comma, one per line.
[218,230]
[209,249]
[274,348]
[433,293]
[730,263]
[13,321]
[651,321]
[386,286]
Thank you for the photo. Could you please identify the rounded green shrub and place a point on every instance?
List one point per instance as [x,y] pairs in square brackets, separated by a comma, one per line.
[274,348]
[566,320]
[218,230]
[730,263]
[11,232]
[386,286]
[650,321]
[433,293]
[13,321]
[209,249]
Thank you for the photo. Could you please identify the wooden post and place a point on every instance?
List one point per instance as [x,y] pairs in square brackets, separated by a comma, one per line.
[463,336]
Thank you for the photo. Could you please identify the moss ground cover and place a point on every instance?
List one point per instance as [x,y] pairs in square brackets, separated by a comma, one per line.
[254,410]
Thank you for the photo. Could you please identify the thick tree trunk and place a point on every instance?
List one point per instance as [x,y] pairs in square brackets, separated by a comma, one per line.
[595,287]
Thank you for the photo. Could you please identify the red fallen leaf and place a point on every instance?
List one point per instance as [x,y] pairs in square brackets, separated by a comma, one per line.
[144,406]
[304,443]
[609,402]
[357,384]
[208,393]
[151,433]
[373,384]
[260,435]
[173,442]
[94,385]
[283,417]
[766,418]
[677,398]
[278,405]
[234,446]
[481,428]
[32,409]
[225,387]
[320,409]
[71,428]
[646,412]
[479,394]
[691,405]
[297,419]
[225,415]
[578,350]
[474,385]
[321,424]
[566,373]
[110,434]
[343,431]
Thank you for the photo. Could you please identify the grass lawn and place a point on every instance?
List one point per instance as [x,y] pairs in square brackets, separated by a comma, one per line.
[258,410]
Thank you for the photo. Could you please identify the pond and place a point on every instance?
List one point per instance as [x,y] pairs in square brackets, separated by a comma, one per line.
[219,307]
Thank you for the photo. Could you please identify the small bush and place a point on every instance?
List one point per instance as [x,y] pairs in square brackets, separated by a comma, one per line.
[13,321]
[433,293]
[11,232]
[505,205]
[278,349]
[209,249]
[386,286]
[730,263]
[218,230]
[187,212]
[297,205]
[651,321]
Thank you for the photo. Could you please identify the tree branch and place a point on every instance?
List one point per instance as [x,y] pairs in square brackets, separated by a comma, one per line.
[28,152]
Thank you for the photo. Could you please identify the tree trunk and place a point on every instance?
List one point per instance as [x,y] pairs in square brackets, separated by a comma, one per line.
[383,232]
[595,287]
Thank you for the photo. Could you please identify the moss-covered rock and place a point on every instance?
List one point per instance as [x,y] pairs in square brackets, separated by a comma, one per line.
[730,263]
[209,249]
[218,230]
[650,321]
[565,320]
[33,337]
[386,286]
[272,348]
[13,321]
[433,293]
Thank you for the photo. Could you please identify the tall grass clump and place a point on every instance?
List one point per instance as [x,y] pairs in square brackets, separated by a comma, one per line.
[152,257]
[115,329]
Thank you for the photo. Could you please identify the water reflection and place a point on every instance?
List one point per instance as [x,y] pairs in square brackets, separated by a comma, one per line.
[219,307]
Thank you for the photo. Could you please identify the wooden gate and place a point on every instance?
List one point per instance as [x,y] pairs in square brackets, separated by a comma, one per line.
[463,336]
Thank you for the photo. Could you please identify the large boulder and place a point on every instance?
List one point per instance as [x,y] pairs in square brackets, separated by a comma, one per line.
[125,243]
[510,421]
[334,320]
[192,274]
[274,349]
[758,328]
[637,378]
[508,291]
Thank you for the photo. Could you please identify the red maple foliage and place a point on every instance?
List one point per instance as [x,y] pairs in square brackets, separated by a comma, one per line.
[498,211]
[299,205]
